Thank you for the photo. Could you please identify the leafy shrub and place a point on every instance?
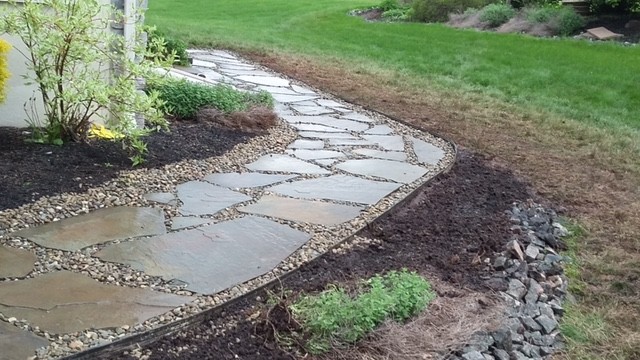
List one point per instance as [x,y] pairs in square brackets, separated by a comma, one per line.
[497,14]
[439,10]
[567,22]
[397,14]
[387,5]
[183,98]
[4,68]
[518,4]
[171,48]
[335,318]
[540,15]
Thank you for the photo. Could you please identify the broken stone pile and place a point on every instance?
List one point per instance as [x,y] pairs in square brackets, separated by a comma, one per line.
[529,274]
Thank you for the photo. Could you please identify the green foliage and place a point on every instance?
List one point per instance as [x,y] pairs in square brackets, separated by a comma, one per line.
[398,14]
[4,68]
[335,318]
[567,22]
[387,5]
[497,14]
[605,6]
[518,4]
[183,98]
[540,15]
[168,47]
[439,10]
[70,56]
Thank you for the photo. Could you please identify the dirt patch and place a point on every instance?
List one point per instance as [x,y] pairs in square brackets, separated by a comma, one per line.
[369,14]
[29,171]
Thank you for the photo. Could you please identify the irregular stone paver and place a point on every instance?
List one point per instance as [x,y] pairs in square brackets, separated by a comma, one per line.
[204,63]
[427,153]
[338,187]
[330,136]
[315,154]
[312,110]
[358,117]
[264,80]
[181,222]
[349,142]
[302,90]
[285,163]
[15,262]
[162,198]
[387,142]
[214,257]
[348,125]
[327,162]
[277,90]
[292,98]
[64,302]
[97,227]
[379,130]
[236,72]
[315,212]
[246,180]
[386,169]
[387,155]
[329,103]
[306,144]
[317,128]
[17,344]
[202,198]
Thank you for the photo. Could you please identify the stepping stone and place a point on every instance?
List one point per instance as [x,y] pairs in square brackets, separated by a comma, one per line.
[315,154]
[327,162]
[278,90]
[203,63]
[285,163]
[387,155]
[379,130]
[292,98]
[211,75]
[330,136]
[317,128]
[202,198]
[181,222]
[427,153]
[237,66]
[312,110]
[246,180]
[15,262]
[330,103]
[349,142]
[338,187]
[97,227]
[302,90]
[265,80]
[314,212]
[386,169]
[214,257]
[238,72]
[222,54]
[342,124]
[387,142]
[306,144]
[358,117]
[161,198]
[65,302]
[17,344]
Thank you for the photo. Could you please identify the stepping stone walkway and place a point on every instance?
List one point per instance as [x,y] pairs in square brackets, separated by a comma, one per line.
[228,228]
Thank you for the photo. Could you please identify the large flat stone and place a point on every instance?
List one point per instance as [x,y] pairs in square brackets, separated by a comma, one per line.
[427,153]
[214,257]
[64,302]
[315,154]
[342,124]
[306,144]
[287,99]
[285,163]
[314,212]
[302,90]
[387,142]
[246,180]
[181,222]
[238,72]
[278,90]
[386,169]
[330,103]
[16,344]
[358,117]
[311,109]
[15,262]
[331,136]
[379,130]
[202,198]
[316,127]
[162,198]
[338,187]
[265,80]
[349,142]
[97,227]
[387,155]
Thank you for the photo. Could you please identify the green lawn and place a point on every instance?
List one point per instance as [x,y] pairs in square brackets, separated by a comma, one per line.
[596,84]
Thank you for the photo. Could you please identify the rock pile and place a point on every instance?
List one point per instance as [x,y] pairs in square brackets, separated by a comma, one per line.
[529,276]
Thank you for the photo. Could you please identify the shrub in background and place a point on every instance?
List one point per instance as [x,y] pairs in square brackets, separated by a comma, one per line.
[496,14]
[567,22]
[171,49]
[605,6]
[439,10]
[4,68]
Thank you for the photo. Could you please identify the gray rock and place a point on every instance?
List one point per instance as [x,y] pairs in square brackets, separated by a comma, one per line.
[162,198]
[488,357]
[502,339]
[203,198]
[516,289]
[306,144]
[531,309]
[530,324]
[285,163]
[427,153]
[15,262]
[548,323]
[17,344]
[387,142]
[379,130]
[316,154]
[387,155]
[180,222]
[473,355]
[531,351]
[479,342]
[386,169]
[246,180]
[546,350]
[533,292]
[515,326]
[340,125]
[517,355]
[532,252]
[501,354]
[545,309]
[265,80]
[499,263]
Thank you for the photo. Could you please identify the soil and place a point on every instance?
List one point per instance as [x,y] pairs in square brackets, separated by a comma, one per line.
[441,233]
[627,25]
[29,171]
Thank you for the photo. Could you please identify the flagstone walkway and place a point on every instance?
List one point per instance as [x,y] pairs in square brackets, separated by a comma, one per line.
[342,163]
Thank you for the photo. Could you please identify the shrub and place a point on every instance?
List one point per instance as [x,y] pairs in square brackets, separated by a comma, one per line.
[397,14]
[335,318]
[439,10]
[387,5]
[540,15]
[567,22]
[171,48]
[497,14]
[4,68]
[183,98]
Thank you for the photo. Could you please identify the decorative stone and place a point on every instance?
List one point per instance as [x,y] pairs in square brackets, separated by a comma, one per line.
[316,154]
[516,289]
[277,90]
[315,127]
[314,212]
[302,90]
[473,355]
[327,162]
[532,252]
[311,110]
[386,155]
[342,124]
[16,344]
[548,323]
[181,222]
[349,142]
[379,130]
[306,144]
[338,187]
[387,142]
[285,163]
[265,80]
[329,103]
[214,257]
[533,292]
[15,262]
[161,198]
[330,136]
[386,169]
[97,227]
[427,153]
[202,198]
[64,302]
[247,179]
[358,117]
[286,99]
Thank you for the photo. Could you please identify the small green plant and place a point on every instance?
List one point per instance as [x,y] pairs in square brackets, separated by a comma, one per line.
[497,14]
[568,22]
[171,48]
[387,5]
[397,14]
[4,67]
[439,10]
[334,318]
[540,15]
[183,98]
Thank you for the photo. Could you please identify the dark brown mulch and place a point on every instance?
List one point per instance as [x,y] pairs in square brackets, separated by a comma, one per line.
[29,171]
[454,218]
[626,24]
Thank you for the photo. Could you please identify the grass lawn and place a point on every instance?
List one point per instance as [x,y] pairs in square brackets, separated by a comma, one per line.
[564,114]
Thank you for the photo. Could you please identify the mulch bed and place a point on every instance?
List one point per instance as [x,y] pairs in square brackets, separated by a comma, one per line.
[29,171]
[454,219]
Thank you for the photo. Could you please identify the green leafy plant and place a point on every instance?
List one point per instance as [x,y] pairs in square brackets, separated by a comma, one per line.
[70,56]
[398,14]
[567,22]
[387,5]
[439,10]
[496,14]
[334,318]
[4,68]
[183,98]
[540,15]
[169,48]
